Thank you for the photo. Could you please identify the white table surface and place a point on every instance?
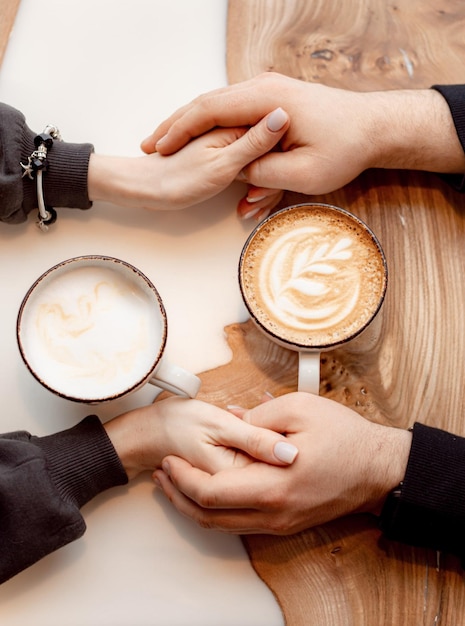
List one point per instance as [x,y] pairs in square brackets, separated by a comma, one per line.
[107,71]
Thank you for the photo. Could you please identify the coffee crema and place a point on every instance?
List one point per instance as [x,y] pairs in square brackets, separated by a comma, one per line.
[91,331]
[312,276]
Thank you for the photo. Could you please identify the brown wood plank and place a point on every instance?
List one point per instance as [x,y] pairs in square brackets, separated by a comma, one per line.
[8,10]
[362,45]
[344,573]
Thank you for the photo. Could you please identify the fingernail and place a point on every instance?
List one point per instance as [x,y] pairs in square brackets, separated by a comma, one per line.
[257,199]
[251,213]
[269,394]
[276,119]
[166,468]
[235,407]
[157,483]
[285,452]
[241,177]
[161,140]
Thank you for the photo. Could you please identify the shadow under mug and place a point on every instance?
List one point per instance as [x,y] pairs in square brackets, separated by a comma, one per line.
[94,328]
[313,277]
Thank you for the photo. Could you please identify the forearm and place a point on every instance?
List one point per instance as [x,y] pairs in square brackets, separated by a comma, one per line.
[125,181]
[385,458]
[139,438]
[413,129]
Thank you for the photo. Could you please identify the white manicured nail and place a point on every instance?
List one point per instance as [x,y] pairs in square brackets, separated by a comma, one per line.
[285,452]
[257,199]
[276,119]
[251,213]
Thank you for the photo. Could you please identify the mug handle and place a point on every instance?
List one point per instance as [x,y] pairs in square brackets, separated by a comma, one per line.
[309,372]
[175,379]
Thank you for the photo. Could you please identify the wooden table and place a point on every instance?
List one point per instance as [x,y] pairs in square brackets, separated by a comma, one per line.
[8,9]
[344,573]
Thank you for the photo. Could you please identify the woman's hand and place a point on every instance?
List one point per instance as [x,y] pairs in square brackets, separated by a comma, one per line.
[206,436]
[202,169]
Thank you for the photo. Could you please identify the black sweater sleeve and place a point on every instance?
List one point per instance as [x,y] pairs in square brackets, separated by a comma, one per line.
[65,182]
[43,483]
[428,508]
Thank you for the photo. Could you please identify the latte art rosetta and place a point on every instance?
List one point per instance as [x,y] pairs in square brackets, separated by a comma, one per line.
[303,279]
[312,276]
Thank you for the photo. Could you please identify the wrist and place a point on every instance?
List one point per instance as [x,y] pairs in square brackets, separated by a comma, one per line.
[137,439]
[413,129]
[124,181]
[390,454]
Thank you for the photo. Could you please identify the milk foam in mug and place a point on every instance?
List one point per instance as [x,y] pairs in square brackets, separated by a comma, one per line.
[94,328]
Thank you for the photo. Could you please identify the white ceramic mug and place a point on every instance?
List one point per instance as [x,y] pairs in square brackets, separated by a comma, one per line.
[94,328]
[313,277]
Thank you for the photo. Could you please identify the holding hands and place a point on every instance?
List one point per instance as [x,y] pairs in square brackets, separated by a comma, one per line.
[346,464]
[201,170]
[206,436]
[334,134]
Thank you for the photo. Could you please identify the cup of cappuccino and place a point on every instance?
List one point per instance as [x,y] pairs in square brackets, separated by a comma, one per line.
[313,277]
[94,328]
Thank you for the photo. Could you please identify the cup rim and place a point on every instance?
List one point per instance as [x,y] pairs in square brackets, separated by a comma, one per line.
[104,260]
[299,347]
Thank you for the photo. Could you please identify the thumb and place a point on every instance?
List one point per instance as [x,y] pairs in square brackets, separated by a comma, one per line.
[259,139]
[262,444]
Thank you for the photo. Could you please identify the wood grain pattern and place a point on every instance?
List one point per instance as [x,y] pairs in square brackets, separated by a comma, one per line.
[8,10]
[344,573]
[362,45]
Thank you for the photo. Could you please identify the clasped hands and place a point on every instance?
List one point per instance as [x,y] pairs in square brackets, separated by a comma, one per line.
[288,464]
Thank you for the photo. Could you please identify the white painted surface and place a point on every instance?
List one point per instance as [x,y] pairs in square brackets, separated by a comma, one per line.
[107,71]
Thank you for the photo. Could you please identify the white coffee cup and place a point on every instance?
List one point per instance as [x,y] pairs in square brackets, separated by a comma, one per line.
[94,328]
[313,277]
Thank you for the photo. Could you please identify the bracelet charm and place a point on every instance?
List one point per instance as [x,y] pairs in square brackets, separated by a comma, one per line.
[36,166]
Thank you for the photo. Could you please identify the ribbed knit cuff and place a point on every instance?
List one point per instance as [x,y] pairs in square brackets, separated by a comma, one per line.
[65,180]
[455,98]
[65,183]
[429,508]
[82,461]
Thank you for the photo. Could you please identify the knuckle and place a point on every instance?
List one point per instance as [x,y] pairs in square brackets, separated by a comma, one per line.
[267,76]
[206,499]
[204,521]
[282,525]
[258,142]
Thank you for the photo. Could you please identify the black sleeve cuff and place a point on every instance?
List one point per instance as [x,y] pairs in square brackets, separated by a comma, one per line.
[428,509]
[82,461]
[455,98]
[65,180]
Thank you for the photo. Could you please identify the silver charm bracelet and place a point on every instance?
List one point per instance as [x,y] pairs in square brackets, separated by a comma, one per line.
[35,167]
